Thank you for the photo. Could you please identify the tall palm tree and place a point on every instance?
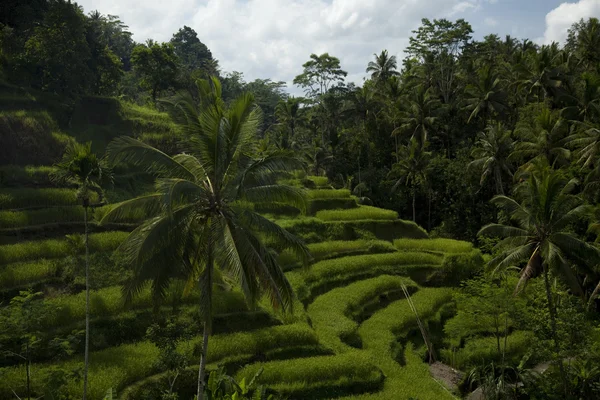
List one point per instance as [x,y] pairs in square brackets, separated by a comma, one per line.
[586,106]
[202,209]
[486,96]
[81,167]
[493,148]
[419,109]
[540,237]
[539,73]
[289,114]
[545,139]
[383,68]
[586,141]
[412,170]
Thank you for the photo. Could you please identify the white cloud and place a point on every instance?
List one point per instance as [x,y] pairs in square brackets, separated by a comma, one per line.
[273,38]
[559,20]
[489,21]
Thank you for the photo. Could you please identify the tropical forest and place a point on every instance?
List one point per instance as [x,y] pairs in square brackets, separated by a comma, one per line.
[170,230]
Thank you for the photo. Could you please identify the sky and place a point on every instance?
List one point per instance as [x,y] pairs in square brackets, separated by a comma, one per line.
[273,38]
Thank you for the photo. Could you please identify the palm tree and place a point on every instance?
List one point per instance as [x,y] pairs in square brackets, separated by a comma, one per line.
[541,237]
[586,141]
[202,209]
[539,73]
[288,113]
[486,96]
[584,39]
[412,169]
[383,68]
[418,114]
[585,107]
[493,148]
[81,167]
[546,139]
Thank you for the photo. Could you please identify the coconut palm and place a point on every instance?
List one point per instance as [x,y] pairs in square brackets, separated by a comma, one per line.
[486,96]
[202,213]
[540,237]
[383,68]
[418,114]
[586,141]
[539,73]
[546,140]
[493,148]
[412,169]
[82,168]
[288,113]
[586,106]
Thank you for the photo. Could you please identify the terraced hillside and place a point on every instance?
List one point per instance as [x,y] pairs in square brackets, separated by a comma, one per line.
[353,333]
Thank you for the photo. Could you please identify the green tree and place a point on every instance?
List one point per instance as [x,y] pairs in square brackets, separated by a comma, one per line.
[289,114]
[584,41]
[383,68]
[320,74]
[544,138]
[156,65]
[81,167]
[192,53]
[57,53]
[412,170]
[419,114]
[541,237]
[486,96]
[493,148]
[203,207]
[437,45]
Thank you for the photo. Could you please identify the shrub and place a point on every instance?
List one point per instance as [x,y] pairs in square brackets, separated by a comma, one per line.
[359,213]
[435,245]
[457,268]
[483,350]
[331,313]
[319,181]
[22,219]
[328,194]
[48,197]
[318,377]
[57,248]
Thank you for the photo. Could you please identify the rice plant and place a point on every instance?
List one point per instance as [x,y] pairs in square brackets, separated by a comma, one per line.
[46,197]
[360,213]
[328,193]
[14,175]
[57,248]
[19,274]
[25,218]
[436,245]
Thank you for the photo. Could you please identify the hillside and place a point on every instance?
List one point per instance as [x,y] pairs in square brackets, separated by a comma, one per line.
[353,333]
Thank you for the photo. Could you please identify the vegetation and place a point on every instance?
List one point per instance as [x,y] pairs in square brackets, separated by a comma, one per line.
[280,240]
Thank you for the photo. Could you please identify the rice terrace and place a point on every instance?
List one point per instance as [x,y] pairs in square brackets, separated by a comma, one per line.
[171,231]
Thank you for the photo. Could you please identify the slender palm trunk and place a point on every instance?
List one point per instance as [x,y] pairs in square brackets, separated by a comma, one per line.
[201,370]
[552,311]
[413,206]
[87,304]
[207,324]
[28,372]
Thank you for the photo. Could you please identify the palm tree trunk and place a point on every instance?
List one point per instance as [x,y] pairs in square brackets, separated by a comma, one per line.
[207,323]
[200,394]
[87,305]
[552,311]
[28,372]
[429,212]
[413,206]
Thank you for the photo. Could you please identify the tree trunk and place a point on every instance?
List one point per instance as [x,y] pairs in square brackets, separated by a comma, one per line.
[207,324]
[87,304]
[429,212]
[552,311]
[200,395]
[28,370]
[413,206]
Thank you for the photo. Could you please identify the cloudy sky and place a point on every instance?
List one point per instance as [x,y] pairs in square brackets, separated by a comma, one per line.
[273,38]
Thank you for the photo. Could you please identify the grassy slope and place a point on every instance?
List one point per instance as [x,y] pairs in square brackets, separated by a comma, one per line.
[352,246]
